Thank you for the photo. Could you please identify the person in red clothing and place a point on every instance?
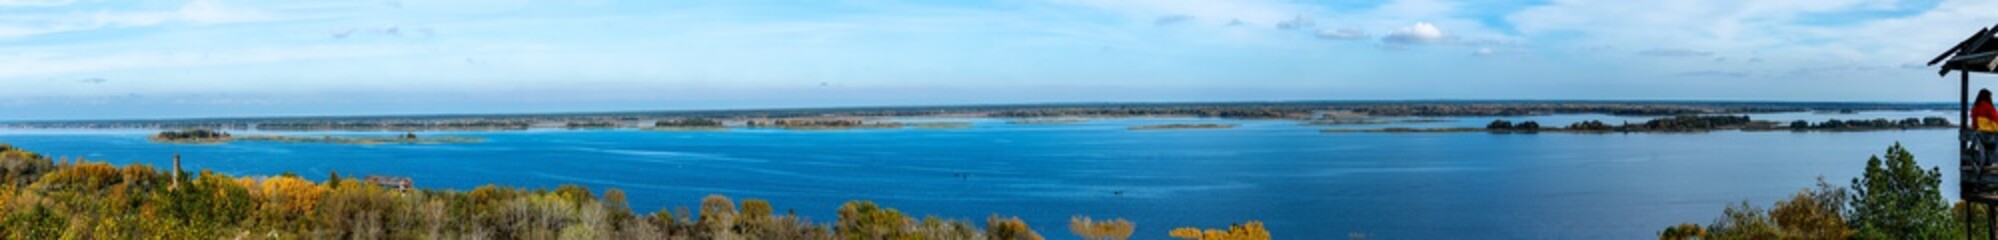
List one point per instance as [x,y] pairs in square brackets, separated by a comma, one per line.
[1983,117]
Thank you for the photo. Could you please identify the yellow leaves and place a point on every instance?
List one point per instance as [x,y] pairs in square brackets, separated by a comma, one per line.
[717,210]
[289,195]
[1011,228]
[1812,215]
[1185,233]
[756,209]
[1253,230]
[90,175]
[247,183]
[1117,229]
[866,220]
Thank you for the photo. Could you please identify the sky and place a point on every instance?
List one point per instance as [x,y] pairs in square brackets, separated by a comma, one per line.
[95,59]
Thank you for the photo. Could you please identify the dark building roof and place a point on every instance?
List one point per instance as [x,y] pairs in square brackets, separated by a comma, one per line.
[1975,54]
[398,182]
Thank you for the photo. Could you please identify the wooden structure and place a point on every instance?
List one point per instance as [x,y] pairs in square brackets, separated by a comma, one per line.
[176,172]
[1979,162]
[392,182]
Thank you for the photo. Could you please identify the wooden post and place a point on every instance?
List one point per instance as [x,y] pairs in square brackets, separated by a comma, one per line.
[176,171]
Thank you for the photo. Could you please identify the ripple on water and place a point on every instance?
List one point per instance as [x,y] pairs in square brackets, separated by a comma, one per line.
[671,155]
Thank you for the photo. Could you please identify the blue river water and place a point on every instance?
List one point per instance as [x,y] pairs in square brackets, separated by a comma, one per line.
[1303,184]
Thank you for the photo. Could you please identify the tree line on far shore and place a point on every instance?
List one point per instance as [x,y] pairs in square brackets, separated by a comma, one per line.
[1688,123]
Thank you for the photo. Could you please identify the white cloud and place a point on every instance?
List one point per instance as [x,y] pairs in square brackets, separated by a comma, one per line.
[50,63]
[212,11]
[1420,33]
[1775,30]
[197,11]
[35,3]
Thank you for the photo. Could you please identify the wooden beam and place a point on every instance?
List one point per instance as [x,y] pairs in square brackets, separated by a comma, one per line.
[1959,46]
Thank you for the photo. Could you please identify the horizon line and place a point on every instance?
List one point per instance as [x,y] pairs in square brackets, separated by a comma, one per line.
[963,105]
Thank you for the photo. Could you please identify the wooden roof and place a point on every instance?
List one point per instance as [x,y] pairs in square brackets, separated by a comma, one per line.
[1978,53]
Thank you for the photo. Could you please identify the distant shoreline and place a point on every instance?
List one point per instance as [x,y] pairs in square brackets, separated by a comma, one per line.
[1324,112]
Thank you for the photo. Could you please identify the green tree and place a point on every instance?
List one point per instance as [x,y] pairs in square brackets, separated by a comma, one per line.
[1743,221]
[1896,199]
[718,217]
[1683,231]
[38,222]
[865,220]
[1009,228]
[1813,213]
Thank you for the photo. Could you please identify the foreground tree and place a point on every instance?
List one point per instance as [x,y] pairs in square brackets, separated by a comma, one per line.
[1117,229]
[1252,230]
[1893,199]
[1684,231]
[1009,228]
[1813,213]
[1897,199]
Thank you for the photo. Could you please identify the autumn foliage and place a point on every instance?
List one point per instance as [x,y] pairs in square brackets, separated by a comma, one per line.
[42,198]
[1252,230]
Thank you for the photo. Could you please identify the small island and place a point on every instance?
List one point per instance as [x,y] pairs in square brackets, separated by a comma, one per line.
[819,124]
[398,139]
[1045,121]
[590,125]
[941,125]
[192,136]
[1183,126]
[687,124]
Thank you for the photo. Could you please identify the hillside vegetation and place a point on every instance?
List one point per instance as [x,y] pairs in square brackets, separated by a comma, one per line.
[41,198]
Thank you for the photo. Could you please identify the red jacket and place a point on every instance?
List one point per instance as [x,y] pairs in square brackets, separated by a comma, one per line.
[1981,113]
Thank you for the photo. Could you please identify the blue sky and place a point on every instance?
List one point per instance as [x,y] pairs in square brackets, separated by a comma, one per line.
[72,59]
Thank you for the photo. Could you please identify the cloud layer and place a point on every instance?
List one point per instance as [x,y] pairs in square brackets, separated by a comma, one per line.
[736,53]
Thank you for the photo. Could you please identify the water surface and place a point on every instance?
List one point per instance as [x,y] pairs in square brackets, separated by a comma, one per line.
[1302,183]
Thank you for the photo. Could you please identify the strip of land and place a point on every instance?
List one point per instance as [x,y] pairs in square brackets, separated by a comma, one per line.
[1313,112]
[1686,123]
[1183,126]
[205,136]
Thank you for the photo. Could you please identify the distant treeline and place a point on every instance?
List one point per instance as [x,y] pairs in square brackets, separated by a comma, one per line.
[1243,110]
[1878,123]
[592,124]
[689,123]
[1536,109]
[814,123]
[1688,123]
[190,134]
[395,126]
[42,198]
